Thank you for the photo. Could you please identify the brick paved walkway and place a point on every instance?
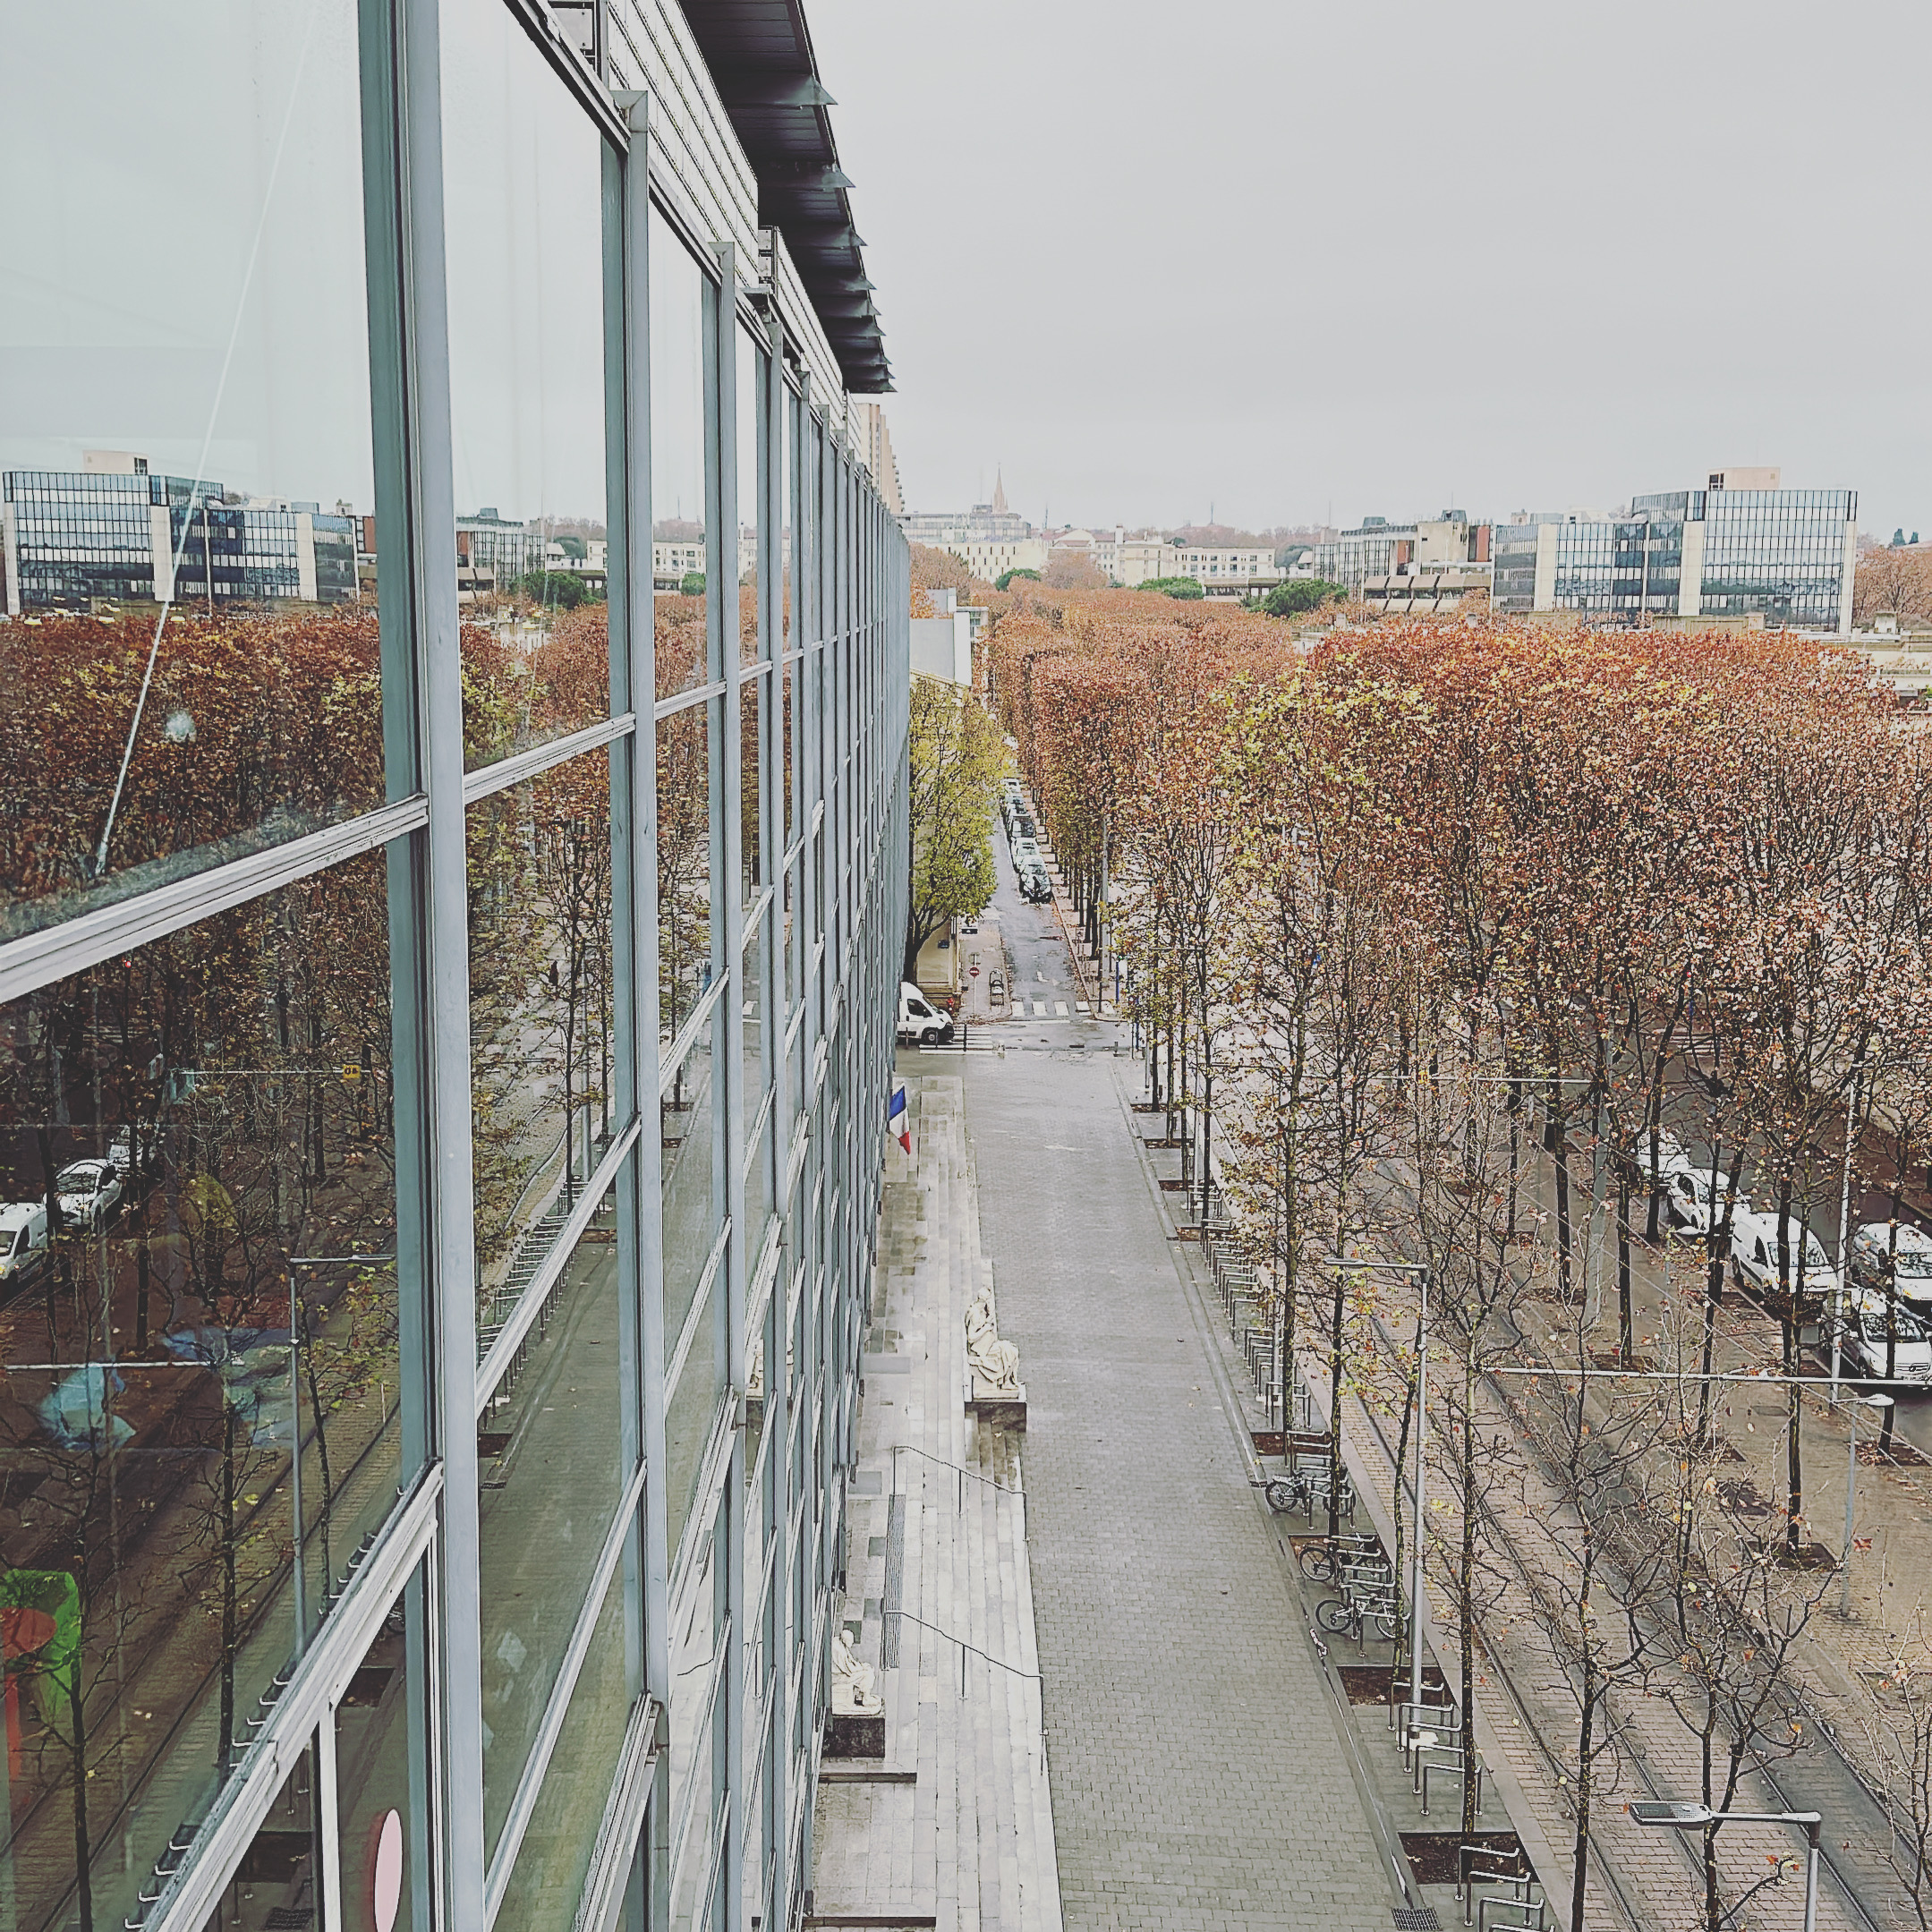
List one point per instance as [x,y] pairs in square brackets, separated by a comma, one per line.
[1198,1778]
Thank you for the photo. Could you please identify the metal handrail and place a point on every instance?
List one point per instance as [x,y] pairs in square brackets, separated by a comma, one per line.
[1005,1489]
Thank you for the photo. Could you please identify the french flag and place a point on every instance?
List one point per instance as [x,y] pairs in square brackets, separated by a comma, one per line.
[897,1120]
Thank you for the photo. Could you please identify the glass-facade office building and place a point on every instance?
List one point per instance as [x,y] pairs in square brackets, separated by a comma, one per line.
[444,1051]
[1786,556]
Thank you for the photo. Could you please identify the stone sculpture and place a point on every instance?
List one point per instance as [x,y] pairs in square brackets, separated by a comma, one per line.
[853,1681]
[994,1363]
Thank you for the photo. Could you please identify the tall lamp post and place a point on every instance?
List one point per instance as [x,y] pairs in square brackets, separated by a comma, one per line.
[1845,1226]
[1881,1403]
[1680,1817]
[1421,1271]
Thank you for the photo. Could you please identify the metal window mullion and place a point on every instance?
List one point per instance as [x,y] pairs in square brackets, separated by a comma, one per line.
[443,1044]
[539,759]
[731,883]
[630,593]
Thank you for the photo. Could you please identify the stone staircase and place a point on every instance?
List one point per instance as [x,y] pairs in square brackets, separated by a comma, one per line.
[953,1827]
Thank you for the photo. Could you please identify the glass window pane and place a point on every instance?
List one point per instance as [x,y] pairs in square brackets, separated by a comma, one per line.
[523,177]
[188,666]
[697,1719]
[549,1475]
[750,773]
[685,741]
[692,1131]
[752,363]
[553,1862]
[541,1018]
[680,300]
[383,1718]
[212,1116]
[691,1412]
[279,1880]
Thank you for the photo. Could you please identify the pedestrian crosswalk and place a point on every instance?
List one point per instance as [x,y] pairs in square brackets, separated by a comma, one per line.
[1060,1009]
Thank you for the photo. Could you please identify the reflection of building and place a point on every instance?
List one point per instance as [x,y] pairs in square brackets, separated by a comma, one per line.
[1741,548]
[1379,549]
[875,452]
[498,546]
[112,531]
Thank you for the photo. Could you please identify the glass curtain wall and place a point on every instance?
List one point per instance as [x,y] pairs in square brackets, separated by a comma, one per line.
[420,1508]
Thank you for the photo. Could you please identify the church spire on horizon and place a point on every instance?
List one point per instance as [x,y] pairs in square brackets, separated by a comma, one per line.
[998,490]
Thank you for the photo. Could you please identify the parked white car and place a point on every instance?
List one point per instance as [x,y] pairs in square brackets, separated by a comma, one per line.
[1695,1200]
[1865,1347]
[1671,1156]
[90,1191]
[23,1247]
[1872,1260]
[1754,1257]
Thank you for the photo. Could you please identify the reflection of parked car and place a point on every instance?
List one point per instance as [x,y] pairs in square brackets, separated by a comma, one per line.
[1867,1350]
[1872,1261]
[90,1191]
[22,1241]
[121,1151]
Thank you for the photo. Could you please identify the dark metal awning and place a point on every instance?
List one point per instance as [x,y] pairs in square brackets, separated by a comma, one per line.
[760,56]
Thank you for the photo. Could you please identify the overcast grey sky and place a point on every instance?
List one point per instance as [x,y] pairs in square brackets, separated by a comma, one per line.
[1378,257]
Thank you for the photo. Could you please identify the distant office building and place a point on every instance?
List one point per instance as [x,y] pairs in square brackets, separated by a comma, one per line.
[874,442]
[1380,550]
[112,531]
[1741,548]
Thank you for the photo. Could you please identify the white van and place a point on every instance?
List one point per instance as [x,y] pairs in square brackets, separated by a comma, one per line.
[919,1019]
[22,1241]
[1754,1257]
[1868,1350]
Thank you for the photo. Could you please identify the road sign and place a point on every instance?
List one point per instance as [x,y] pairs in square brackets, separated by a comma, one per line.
[971,972]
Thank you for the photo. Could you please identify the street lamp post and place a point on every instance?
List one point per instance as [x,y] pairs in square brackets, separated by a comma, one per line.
[1691,1817]
[1881,1403]
[1844,1228]
[1421,1271]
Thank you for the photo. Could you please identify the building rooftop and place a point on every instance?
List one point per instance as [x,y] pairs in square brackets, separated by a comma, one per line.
[759,55]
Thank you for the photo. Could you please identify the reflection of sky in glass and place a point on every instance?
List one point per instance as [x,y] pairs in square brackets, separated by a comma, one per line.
[523,199]
[676,378]
[149,152]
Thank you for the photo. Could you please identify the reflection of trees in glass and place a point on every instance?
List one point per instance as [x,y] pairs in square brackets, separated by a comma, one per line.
[251,722]
[241,1066]
[571,816]
[684,855]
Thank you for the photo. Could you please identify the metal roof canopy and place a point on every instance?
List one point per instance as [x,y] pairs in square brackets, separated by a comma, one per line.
[759,55]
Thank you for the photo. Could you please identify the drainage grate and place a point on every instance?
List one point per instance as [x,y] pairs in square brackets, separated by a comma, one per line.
[889,1653]
[1417,1918]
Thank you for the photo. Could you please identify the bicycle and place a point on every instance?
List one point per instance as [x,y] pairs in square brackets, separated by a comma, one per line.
[1351,1616]
[1318,1560]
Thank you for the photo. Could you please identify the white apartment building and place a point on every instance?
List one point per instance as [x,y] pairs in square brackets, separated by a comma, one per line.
[1131,560]
[872,441]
